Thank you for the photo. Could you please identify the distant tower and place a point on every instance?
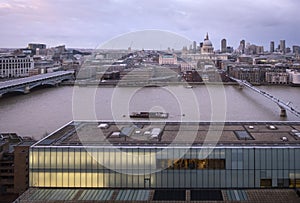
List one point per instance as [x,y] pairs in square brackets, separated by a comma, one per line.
[242,46]
[194,46]
[282,46]
[223,46]
[272,46]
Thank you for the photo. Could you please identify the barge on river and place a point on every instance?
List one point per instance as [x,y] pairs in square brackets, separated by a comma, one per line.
[144,114]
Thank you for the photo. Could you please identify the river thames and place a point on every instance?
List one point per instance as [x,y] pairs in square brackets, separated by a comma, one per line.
[45,110]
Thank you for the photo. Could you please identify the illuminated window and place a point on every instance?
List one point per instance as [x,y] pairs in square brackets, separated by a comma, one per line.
[265,182]
[77,180]
[71,179]
[294,183]
[191,164]
[59,179]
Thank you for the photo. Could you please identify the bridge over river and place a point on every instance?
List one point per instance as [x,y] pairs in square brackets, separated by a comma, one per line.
[24,85]
[282,105]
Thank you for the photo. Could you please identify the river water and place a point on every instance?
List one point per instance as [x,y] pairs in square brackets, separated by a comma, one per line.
[44,110]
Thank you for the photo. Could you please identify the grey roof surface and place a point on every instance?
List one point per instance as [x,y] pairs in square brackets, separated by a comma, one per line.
[180,133]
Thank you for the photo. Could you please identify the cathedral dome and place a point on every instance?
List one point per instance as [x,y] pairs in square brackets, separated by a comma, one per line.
[207,42]
[207,47]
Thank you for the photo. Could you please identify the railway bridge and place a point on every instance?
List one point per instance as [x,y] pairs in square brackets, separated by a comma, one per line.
[24,85]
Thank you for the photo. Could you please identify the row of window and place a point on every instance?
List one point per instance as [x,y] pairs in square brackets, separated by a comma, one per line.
[14,60]
[163,179]
[155,159]
[281,182]
[20,65]
[169,164]
[16,71]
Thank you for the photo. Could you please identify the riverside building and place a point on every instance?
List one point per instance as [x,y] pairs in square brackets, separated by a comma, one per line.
[15,66]
[168,155]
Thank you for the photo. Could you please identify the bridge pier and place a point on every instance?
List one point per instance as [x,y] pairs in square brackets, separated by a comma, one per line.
[283,113]
[26,90]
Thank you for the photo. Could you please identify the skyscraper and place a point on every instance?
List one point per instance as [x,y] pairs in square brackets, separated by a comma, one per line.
[272,46]
[242,46]
[282,46]
[194,46]
[223,45]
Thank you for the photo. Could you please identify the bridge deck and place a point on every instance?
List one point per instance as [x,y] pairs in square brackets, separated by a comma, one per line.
[34,78]
[279,102]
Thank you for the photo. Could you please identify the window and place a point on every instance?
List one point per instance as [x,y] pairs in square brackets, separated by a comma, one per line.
[283,183]
[265,182]
[191,164]
[295,183]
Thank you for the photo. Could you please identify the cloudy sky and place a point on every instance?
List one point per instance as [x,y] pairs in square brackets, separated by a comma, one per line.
[90,23]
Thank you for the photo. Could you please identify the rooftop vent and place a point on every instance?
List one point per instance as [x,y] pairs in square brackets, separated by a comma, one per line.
[295,133]
[284,139]
[103,126]
[155,132]
[115,134]
[272,127]
[137,132]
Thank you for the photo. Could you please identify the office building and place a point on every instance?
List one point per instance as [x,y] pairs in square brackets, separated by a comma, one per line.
[223,46]
[36,47]
[14,168]
[194,46]
[167,59]
[277,77]
[259,50]
[294,77]
[282,46]
[272,46]
[296,50]
[15,66]
[242,46]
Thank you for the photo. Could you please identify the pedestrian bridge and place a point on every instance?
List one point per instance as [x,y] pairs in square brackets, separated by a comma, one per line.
[282,105]
[24,85]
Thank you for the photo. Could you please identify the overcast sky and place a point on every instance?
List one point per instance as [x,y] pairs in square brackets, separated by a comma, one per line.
[90,23]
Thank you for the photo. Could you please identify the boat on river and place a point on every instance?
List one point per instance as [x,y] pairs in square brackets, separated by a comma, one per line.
[146,114]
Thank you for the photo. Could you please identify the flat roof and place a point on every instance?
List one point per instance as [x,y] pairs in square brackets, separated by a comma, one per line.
[148,133]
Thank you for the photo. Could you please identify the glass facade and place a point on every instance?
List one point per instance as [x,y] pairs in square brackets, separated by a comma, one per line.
[172,167]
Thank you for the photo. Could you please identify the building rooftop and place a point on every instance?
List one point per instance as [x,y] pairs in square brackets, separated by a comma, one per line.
[156,133]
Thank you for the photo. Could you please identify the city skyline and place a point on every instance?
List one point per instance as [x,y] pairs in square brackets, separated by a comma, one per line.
[92,23]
